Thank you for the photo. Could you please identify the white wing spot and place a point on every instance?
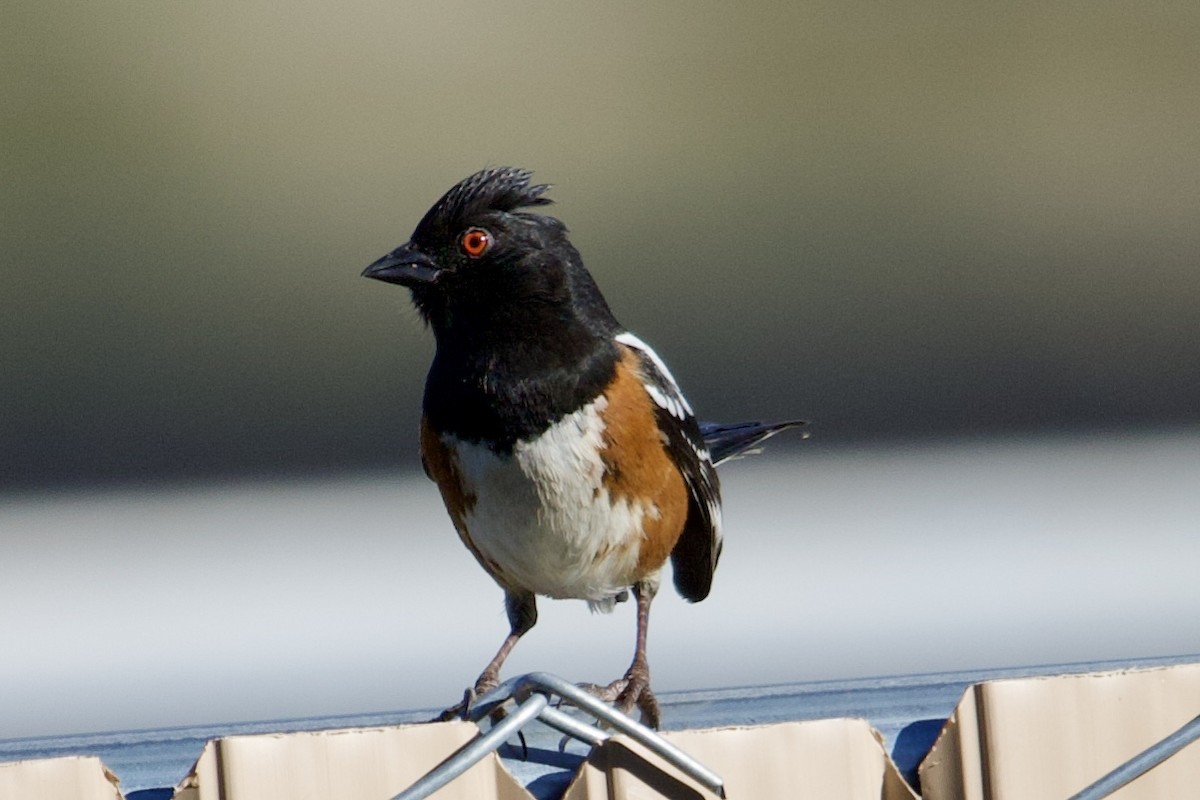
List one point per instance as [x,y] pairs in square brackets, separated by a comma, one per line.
[672,403]
[669,404]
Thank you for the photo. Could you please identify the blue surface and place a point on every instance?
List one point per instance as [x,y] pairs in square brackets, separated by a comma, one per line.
[907,710]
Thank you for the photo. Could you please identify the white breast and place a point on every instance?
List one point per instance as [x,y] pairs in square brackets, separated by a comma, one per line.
[545,518]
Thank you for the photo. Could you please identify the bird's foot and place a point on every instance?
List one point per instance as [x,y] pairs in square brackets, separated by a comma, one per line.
[462,709]
[459,710]
[629,692]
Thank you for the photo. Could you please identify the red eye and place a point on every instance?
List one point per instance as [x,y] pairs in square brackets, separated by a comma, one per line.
[475,242]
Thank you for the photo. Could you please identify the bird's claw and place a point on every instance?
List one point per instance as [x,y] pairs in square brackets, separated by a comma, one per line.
[625,694]
[462,709]
[459,710]
[637,694]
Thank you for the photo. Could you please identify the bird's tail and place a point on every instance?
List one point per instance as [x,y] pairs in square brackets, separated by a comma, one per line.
[726,442]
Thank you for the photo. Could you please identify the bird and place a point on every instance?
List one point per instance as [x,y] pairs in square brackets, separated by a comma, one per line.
[568,459]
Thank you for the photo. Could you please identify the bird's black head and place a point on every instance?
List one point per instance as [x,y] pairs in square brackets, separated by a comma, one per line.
[479,266]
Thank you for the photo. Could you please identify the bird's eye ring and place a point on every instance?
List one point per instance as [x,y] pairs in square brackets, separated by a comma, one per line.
[475,242]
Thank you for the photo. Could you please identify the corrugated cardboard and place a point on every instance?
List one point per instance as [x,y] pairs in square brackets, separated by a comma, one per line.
[1051,737]
[839,759]
[71,778]
[835,759]
[352,764]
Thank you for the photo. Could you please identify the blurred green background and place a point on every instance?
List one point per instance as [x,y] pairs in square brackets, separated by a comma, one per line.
[897,220]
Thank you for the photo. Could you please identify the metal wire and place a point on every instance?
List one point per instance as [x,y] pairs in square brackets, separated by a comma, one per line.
[532,695]
[473,751]
[1142,763]
[576,729]
[635,730]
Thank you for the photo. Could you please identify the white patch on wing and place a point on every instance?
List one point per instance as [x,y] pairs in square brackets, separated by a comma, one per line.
[714,514]
[545,518]
[701,452]
[672,405]
[672,400]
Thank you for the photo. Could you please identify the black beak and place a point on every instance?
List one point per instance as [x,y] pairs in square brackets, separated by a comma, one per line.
[406,266]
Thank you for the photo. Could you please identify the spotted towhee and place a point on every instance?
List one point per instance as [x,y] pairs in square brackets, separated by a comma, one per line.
[565,453]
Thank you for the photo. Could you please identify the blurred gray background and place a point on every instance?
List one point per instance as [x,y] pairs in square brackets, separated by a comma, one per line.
[918,225]
[894,220]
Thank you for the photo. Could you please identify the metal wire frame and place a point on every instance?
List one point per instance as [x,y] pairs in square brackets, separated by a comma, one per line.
[532,695]
[1142,763]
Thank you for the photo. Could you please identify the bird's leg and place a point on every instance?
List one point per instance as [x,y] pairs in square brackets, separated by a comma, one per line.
[522,615]
[636,691]
[633,690]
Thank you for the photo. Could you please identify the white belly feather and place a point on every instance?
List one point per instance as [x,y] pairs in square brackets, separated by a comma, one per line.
[544,516]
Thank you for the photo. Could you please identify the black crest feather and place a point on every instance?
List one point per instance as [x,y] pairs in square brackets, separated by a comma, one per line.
[491,189]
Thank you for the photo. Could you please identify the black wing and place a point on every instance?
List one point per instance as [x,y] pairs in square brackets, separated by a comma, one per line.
[695,556]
